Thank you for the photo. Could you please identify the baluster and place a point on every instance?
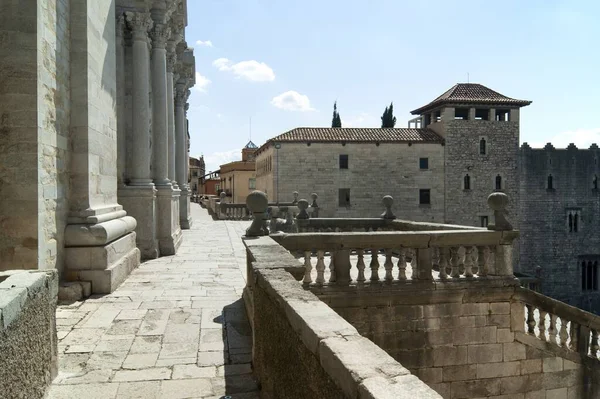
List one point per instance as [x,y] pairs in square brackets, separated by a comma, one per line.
[563,335]
[475,260]
[542,325]
[320,267]
[435,259]
[332,276]
[468,262]
[360,265]
[552,329]
[454,272]
[574,335]
[411,257]
[482,258]
[530,320]
[388,265]
[443,263]
[594,344]
[374,265]
[401,264]
[307,268]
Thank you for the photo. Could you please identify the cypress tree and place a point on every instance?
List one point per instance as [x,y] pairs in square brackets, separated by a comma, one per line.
[388,119]
[336,121]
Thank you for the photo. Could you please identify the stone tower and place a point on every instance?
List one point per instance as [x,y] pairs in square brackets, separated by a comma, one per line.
[481,132]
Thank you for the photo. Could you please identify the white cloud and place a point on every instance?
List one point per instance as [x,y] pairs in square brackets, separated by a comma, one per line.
[201,82]
[582,138]
[292,101]
[204,43]
[216,159]
[250,70]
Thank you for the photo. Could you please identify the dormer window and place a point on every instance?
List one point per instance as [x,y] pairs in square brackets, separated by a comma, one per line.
[482,147]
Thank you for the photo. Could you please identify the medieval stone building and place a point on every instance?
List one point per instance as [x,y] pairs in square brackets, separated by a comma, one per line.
[93,135]
[461,146]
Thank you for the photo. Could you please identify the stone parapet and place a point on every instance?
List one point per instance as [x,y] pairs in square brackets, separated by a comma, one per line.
[28,343]
[302,348]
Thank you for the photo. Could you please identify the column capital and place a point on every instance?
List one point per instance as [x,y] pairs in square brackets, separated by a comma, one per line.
[140,23]
[180,96]
[120,25]
[160,35]
[171,61]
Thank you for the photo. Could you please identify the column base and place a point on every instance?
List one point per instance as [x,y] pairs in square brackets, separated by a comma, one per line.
[169,230]
[185,218]
[140,202]
[106,267]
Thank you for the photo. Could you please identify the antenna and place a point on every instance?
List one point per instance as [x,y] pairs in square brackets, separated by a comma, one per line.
[250,127]
[468,81]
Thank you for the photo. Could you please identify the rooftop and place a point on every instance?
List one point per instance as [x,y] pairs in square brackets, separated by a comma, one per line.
[473,93]
[359,135]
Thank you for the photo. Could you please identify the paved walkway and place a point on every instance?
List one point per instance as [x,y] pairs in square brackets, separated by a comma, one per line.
[176,328]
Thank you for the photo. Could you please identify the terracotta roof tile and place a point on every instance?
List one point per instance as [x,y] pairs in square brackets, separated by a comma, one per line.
[472,93]
[327,134]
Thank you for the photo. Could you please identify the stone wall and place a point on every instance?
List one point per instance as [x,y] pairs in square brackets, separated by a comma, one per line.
[373,171]
[464,343]
[302,349]
[546,240]
[28,344]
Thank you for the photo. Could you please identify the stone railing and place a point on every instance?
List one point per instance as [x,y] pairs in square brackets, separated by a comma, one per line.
[274,211]
[28,343]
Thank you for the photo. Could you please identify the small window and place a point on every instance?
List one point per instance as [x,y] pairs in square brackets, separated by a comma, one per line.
[437,116]
[589,275]
[573,221]
[344,197]
[550,185]
[498,183]
[482,114]
[502,115]
[482,147]
[423,163]
[425,196]
[595,182]
[467,182]
[343,161]
[461,114]
[484,221]
[252,183]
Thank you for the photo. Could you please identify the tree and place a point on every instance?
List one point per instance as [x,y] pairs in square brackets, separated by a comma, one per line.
[336,121]
[388,119]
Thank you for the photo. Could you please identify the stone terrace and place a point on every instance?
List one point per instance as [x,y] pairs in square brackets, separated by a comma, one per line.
[176,328]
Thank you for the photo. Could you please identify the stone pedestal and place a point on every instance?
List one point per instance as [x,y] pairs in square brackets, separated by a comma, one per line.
[140,202]
[169,232]
[185,218]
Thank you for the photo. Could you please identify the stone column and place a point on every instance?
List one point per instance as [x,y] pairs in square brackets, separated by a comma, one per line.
[139,198]
[181,154]
[99,239]
[121,138]
[171,60]
[168,229]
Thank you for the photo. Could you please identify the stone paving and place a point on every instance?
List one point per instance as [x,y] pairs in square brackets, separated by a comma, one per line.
[176,328]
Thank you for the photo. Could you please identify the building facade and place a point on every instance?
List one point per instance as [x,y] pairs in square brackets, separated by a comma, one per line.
[93,156]
[197,168]
[238,178]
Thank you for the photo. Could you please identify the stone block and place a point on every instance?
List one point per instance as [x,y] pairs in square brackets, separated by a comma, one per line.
[459,373]
[517,316]
[475,309]
[402,387]
[521,384]
[11,302]
[531,366]
[551,364]
[504,335]
[431,375]
[107,280]
[449,355]
[497,308]
[475,389]
[487,353]
[559,393]
[559,379]
[499,320]
[475,335]
[514,351]
[497,370]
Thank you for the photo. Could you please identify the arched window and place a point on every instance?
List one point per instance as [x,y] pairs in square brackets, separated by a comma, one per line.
[550,185]
[570,222]
[482,147]
[498,182]
[467,182]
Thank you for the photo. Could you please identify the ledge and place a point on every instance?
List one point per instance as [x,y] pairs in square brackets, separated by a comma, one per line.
[90,235]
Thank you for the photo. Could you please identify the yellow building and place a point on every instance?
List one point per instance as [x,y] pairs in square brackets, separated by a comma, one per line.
[238,178]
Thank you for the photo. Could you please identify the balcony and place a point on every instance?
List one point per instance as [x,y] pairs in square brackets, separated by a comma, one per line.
[383,308]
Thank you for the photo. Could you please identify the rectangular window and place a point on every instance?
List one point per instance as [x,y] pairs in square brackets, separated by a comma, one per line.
[343,161]
[344,197]
[461,113]
[482,114]
[423,163]
[502,115]
[484,221]
[425,196]
[589,275]
[252,183]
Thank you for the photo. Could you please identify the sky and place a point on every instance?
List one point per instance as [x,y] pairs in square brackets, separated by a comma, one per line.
[283,63]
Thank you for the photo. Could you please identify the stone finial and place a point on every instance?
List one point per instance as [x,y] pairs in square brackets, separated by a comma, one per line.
[258,203]
[525,146]
[571,146]
[498,202]
[295,193]
[222,196]
[302,206]
[548,146]
[594,146]
[388,201]
[314,197]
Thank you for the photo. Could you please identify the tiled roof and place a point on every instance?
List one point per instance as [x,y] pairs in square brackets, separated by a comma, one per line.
[472,93]
[350,134]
